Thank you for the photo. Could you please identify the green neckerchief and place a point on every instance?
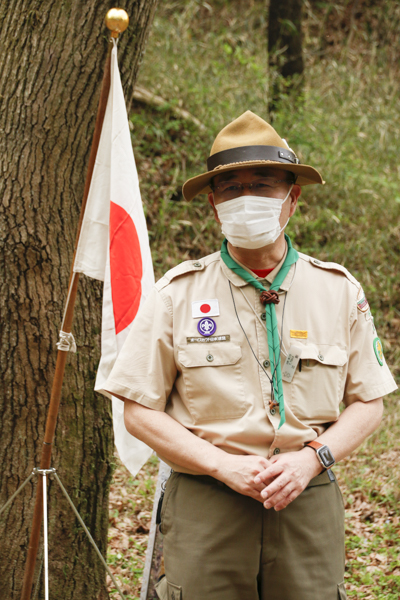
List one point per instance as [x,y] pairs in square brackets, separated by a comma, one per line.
[270,314]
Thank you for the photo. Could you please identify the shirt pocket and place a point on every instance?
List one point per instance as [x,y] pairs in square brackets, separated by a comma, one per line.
[212,374]
[317,390]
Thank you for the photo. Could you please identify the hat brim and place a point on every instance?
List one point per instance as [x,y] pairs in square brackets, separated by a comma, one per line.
[305,175]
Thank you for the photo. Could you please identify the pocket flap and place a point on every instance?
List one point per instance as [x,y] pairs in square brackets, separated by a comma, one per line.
[168,591]
[341,591]
[174,592]
[325,355]
[215,354]
[161,588]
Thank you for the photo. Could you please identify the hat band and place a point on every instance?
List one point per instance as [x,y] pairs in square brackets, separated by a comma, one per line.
[249,154]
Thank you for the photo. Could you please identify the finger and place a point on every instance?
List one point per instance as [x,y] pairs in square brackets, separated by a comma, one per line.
[267,480]
[281,493]
[251,489]
[276,486]
[287,500]
[272,488]
[269,473]
[263,462]
[280,496]
[259,487]
[256,466]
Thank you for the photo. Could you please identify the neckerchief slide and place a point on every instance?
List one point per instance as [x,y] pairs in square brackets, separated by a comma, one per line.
[271,321]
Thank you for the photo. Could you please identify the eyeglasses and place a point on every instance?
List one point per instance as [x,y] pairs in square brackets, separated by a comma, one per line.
[227,190]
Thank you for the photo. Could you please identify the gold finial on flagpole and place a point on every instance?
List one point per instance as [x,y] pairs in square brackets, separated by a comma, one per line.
[117,21]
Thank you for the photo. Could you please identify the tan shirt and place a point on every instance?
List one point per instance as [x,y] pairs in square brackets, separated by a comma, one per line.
[214,386]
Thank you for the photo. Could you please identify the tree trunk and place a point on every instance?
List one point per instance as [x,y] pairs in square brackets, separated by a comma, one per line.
[51,66]
[285,47]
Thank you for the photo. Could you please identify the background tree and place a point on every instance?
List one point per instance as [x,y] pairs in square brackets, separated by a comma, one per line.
[285,48]
[51,67]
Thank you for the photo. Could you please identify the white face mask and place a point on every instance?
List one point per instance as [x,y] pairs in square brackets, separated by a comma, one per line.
[251,221]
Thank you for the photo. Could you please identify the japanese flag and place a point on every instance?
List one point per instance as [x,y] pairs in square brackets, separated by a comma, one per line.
[114,247]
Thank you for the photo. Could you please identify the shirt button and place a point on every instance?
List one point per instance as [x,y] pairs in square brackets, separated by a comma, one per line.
[266,364]
[197,264]
[321,357]
[273,411]
[263,316]
[209,357]
[277,450]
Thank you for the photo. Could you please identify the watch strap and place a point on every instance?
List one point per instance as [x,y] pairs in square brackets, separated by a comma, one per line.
[321,451]
[314,445]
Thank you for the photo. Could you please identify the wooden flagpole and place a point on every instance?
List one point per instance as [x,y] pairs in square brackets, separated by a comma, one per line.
[117,21]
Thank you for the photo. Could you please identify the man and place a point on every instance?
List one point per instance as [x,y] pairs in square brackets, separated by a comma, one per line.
[236,362]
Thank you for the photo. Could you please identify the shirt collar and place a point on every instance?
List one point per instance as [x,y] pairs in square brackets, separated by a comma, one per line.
[239,282]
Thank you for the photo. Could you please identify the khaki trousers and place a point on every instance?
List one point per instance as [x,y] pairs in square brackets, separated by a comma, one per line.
[221,545]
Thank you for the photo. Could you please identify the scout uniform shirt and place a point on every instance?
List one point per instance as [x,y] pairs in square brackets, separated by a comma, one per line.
[187,354]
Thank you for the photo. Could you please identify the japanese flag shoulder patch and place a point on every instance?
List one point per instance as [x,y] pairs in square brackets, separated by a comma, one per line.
[205,308]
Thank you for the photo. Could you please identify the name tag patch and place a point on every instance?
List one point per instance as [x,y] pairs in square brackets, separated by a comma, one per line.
[291,362]
[299,334]
[206,340]
[205,308]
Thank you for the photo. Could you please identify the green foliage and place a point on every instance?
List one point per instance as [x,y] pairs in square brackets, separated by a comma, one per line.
[212,62]
[370,481]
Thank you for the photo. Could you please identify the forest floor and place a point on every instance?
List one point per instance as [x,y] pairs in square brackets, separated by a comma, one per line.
[369,480]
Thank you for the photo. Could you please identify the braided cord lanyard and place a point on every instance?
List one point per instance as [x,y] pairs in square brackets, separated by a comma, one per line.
[271,298]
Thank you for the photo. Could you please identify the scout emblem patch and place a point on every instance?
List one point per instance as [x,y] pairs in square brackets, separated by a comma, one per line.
[206,327]
[362,303]
[205,308]
[378,350]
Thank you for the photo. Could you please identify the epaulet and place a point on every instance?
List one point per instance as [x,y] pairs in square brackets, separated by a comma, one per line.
[186,268]
[330,266]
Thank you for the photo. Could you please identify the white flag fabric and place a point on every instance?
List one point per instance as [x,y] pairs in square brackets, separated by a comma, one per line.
[114,247]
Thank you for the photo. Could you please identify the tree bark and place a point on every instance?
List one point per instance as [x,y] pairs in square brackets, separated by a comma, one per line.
[285,47]
[51,66]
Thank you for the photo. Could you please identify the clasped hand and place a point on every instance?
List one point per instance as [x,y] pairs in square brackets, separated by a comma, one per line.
[275,482]
[286,477]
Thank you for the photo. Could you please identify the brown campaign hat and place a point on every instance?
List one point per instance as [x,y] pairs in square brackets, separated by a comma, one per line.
[249,142]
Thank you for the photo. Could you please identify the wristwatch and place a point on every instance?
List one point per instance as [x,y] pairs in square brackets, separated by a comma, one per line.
[324,455]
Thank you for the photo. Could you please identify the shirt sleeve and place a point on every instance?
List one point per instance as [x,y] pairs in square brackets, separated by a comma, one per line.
[368,376]
[145,370]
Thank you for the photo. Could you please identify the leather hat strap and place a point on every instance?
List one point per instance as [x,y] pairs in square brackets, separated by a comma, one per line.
[251,153]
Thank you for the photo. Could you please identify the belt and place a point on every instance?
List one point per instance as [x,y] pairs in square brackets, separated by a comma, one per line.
[323,478]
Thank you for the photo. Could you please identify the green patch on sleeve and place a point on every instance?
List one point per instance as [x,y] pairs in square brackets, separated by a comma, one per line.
[378,350]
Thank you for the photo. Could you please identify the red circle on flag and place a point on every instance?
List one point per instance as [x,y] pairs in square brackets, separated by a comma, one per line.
[205,308]
[125,266]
